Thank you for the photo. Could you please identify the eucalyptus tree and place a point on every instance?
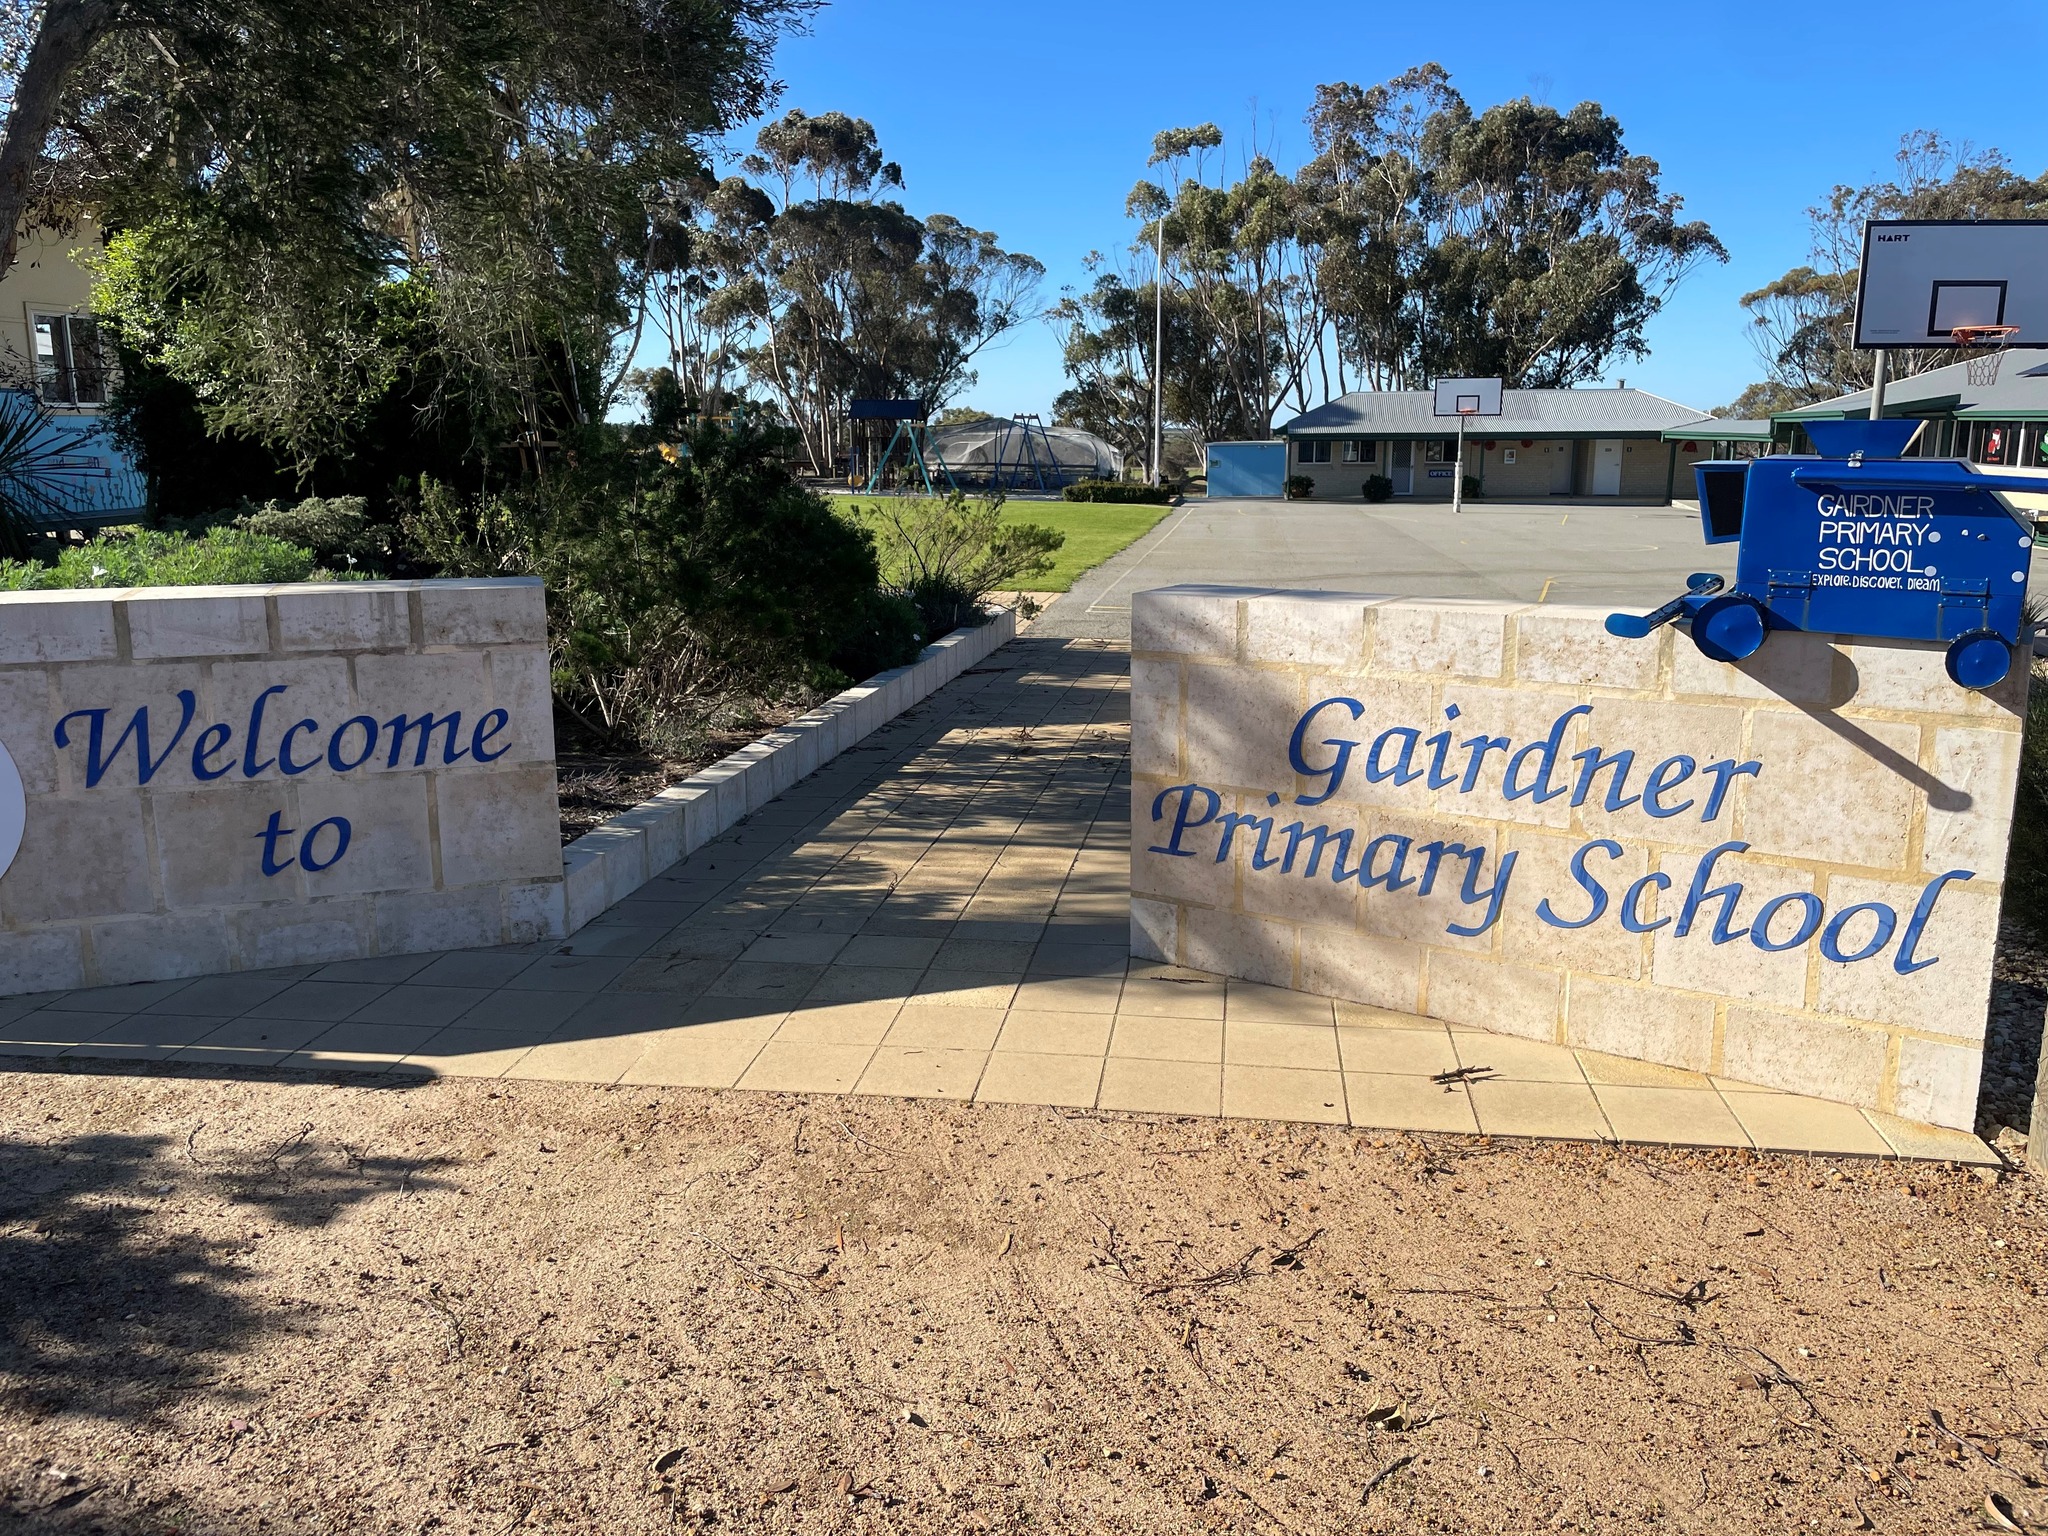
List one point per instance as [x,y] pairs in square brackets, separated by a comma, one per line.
[320,201]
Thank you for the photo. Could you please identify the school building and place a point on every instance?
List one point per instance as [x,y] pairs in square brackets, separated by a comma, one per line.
[2001,421]
[1625,445]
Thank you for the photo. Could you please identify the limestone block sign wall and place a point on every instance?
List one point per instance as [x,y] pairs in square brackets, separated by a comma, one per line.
[1786,873]
[224,778]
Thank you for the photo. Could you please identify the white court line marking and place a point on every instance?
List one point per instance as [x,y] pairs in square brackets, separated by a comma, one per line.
[1139,564]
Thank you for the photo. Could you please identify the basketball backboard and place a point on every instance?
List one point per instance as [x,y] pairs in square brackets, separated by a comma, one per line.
[1468,397]
[1923,279]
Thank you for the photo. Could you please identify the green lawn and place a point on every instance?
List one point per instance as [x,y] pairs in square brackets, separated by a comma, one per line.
[1095,531]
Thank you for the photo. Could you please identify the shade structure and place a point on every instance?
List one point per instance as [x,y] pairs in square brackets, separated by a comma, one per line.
[1018,455]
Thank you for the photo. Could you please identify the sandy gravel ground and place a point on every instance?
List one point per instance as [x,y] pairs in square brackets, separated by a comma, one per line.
[265,1305]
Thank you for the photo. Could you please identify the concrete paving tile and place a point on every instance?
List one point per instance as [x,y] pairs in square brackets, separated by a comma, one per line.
[978,920]
[1786,1122]
[472,968]
[1090,932]
[1054,957]
[614,939]
[780,948]
[681,975]
[996,957]
[38,1048]
[1180,999]
[1365,1016]
[1256,1043]
[1910,1138]
[153,1030]
[1274,1005]
[732,1018]
[861,984]
[251,1042]
[598,1060]
[456,1052]
[50,1027]
[354,1038]
[132,998]
[323,1001]
[1163,1039]
[1600,1068]
[385,968]
[409,1004]
[1403,1052]
[1523,1061]
[691,942]
[678,1060]
[1070,994]
[1686,1117]
[965,989]
[751,978]
[1730,1085]
[877,949]
[1538,1107]
[567,973]
[839,1024]
[612,1014]
[928,1026]
[1398,1102]
[540,1012]
[1161,1087]
[782,1067]
[1026,1077]
[916,1073]
[1042,1032]
[1283,1093]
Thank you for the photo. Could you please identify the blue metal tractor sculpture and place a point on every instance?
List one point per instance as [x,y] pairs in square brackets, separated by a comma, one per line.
[1857,540]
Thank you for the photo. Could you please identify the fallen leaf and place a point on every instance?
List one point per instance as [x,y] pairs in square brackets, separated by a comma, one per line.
[1009,1241]
[666,1460]
[1999,1511]
[845,1485]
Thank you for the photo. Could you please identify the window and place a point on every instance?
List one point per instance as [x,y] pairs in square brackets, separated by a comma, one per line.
[1436,451]
[1360,450]
[70,367]
[1307,452]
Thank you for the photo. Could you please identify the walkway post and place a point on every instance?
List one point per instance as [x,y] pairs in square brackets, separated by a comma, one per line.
[1458,473]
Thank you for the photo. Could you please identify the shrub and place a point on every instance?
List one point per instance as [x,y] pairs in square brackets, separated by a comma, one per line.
[147,557]
[1299,487]
[947,555]
[1117,491]
[671,584]
[1471,487]
[336,529]
[1378,488]
[889,633]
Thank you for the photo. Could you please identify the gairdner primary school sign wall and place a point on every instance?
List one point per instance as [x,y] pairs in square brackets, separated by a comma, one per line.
[211,779]
[1785,873]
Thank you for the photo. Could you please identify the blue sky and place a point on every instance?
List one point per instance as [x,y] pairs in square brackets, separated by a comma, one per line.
[1034,120]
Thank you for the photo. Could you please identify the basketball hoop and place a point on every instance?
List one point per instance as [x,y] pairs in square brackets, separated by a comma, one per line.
[1983,369]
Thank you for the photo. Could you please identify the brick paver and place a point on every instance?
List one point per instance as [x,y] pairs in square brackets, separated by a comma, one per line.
[941,912]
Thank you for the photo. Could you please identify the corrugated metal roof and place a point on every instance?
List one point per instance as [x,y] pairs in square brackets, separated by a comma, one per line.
[1721,429]
[1524,413]
[2020,393]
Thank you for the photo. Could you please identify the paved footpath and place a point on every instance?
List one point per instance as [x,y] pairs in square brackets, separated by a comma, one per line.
[941,912]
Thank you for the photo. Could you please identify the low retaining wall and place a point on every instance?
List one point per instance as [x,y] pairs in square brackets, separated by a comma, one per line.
[1786,873]
[613,860]
[221,778]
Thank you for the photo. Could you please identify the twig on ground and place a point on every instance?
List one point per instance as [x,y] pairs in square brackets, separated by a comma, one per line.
[1216,1279]
[1382,1475]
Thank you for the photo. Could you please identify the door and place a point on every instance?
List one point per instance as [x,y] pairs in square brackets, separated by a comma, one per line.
[1607,466]
[1560,459]
[1404,468]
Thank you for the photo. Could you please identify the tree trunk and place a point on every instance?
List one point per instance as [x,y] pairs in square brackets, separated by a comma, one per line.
[68,31]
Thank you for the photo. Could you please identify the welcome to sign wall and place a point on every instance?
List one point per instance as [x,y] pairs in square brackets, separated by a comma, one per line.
[1786,873]
[224,778]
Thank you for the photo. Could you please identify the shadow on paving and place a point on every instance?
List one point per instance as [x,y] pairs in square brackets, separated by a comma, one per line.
[112,1302]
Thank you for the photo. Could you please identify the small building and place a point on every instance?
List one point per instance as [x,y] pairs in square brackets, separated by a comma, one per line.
[1999,422]
[51,349]
[1594,444]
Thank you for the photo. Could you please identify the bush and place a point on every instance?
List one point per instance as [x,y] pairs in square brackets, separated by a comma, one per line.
[1299,487]
[672,584]
[1378,488]
[1117,491]
[336,529]
[946,556]
[1471,487]
[150,558]
[889,633]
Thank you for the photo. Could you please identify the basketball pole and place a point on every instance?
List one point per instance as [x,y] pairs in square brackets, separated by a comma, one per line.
[1458,473]
[1878,369]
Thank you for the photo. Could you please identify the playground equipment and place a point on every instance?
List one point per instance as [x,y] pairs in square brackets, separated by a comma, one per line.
[913,431]
[1858,540]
